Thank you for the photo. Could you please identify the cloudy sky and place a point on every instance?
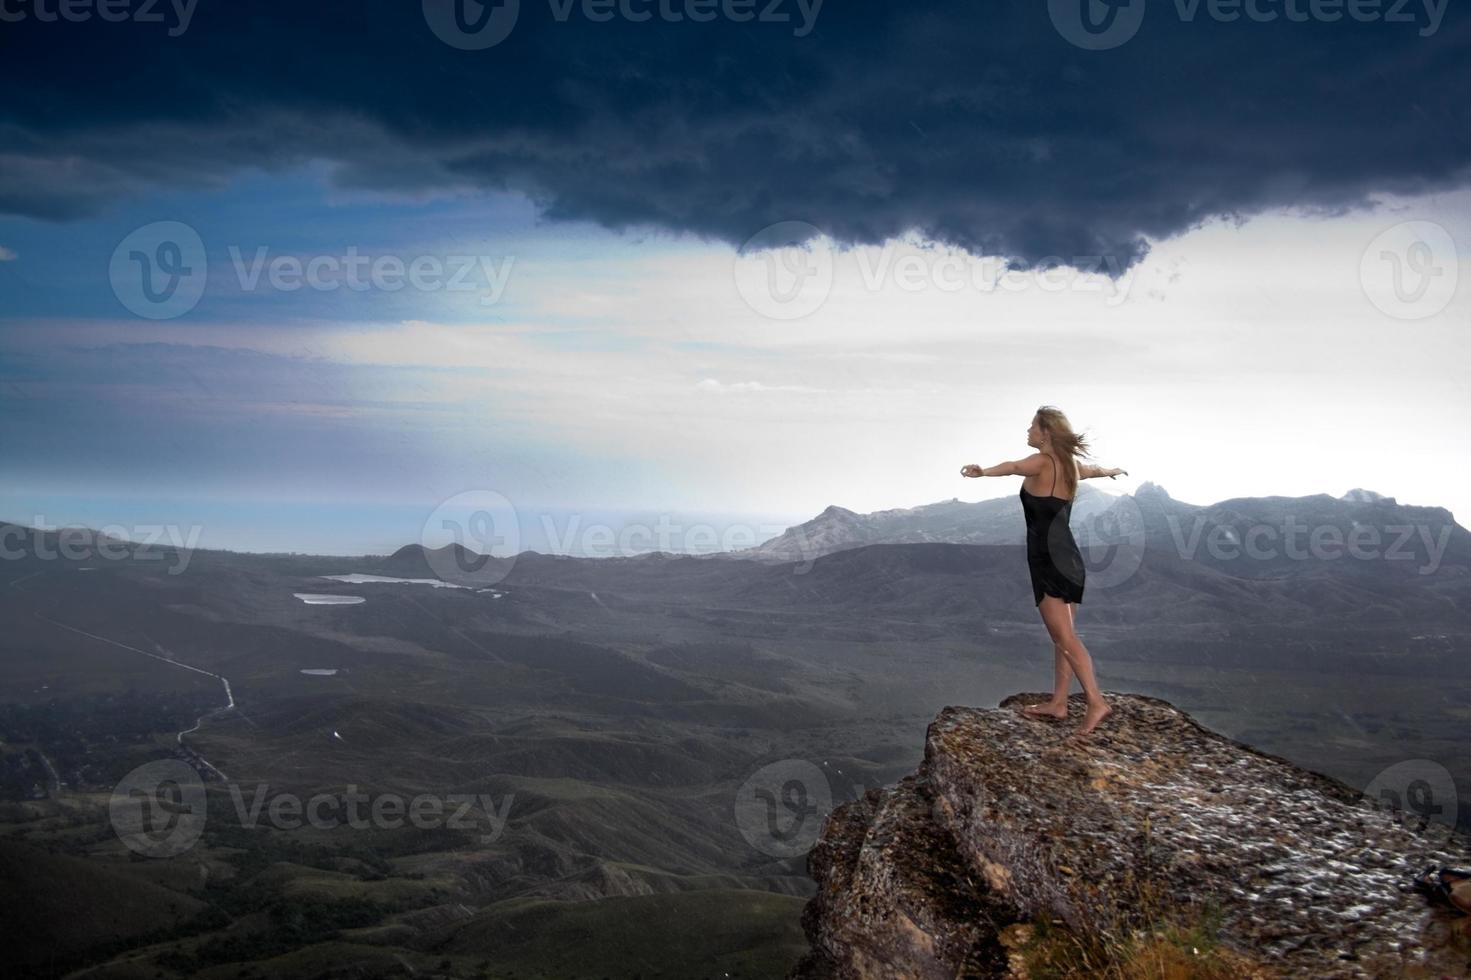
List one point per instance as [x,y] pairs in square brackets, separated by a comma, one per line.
[315,279]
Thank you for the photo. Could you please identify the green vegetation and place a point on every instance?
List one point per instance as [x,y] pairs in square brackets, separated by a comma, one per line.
[714,933]
[93,740]
[293,923]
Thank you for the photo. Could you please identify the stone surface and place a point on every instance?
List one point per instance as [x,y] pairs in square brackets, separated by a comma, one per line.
[1009,817]
[894,899]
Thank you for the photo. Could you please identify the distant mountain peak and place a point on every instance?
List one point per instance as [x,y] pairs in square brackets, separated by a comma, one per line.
[833,510]
[417,550]
[1358,495]
[1151,489]
[418,560]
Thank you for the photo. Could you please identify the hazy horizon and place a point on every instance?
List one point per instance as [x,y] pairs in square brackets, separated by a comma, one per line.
[580,533]
[642,380]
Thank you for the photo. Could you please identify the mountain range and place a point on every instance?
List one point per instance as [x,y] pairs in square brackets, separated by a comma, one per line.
[620,707]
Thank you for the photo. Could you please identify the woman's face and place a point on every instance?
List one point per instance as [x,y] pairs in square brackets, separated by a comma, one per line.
[1034,435]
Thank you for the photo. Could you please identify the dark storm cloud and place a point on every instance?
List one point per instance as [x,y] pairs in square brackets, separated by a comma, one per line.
[975,123]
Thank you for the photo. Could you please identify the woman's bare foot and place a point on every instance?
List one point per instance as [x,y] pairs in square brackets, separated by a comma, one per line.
[1095,714]
[1046,709]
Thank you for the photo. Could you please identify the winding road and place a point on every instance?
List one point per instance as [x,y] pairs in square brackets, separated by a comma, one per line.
[230,696]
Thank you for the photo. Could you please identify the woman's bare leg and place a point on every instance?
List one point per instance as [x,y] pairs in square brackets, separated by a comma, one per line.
[1060,626]
[1062,680]
[1062,670]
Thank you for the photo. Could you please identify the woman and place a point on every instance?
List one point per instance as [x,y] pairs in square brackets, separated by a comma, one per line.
[1053,557]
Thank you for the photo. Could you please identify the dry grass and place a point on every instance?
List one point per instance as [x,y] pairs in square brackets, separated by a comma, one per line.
[1140,933]
[1175,950]
[1170,946]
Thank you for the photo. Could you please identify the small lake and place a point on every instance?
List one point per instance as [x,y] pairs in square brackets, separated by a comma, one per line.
[319,671]
[314,599]
[357,578]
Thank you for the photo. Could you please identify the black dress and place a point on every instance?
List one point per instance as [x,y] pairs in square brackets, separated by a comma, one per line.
[1053,557]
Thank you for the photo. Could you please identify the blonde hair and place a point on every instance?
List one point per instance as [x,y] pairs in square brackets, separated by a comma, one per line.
[1052,421]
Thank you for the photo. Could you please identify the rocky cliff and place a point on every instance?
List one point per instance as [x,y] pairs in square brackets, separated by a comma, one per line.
[1012,831]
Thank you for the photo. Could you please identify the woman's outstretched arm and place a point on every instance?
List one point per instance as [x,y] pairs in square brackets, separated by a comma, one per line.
[1088,471]
[1030,466]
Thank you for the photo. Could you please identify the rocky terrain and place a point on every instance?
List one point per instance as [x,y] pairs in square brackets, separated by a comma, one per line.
[1009,819]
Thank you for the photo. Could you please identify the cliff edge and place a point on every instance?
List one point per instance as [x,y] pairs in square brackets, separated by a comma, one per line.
[1009,825]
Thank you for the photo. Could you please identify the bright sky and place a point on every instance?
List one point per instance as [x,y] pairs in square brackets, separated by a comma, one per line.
[614,373]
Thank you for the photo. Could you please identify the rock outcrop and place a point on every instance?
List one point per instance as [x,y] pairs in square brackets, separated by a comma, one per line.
[1010,820]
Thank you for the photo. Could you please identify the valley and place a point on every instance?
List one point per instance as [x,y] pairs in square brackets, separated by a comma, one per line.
[611,717]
